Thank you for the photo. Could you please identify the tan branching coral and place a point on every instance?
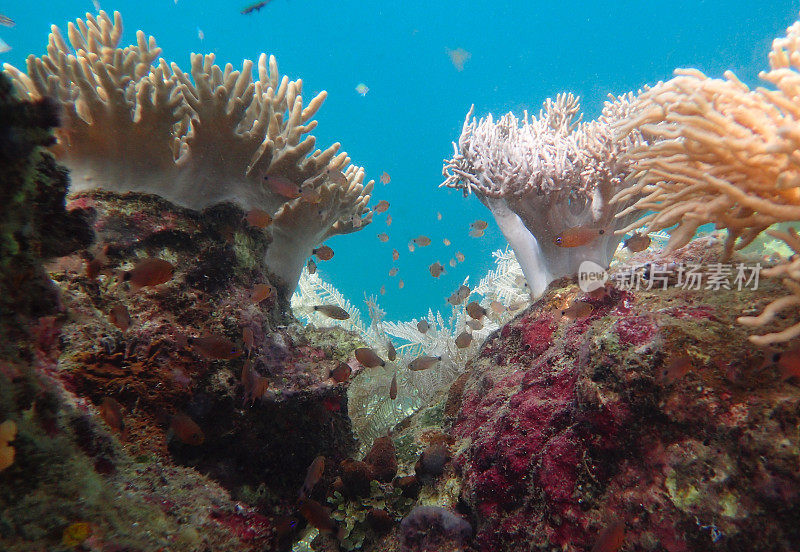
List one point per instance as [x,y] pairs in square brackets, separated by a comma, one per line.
[542,176]
[719,152]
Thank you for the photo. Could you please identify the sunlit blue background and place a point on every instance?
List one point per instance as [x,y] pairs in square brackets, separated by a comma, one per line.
[521,53]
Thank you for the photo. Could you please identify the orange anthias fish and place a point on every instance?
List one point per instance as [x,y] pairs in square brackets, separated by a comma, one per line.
[422,241]
[341,373]
[261,292]
[148,273]
[368,358]
[385,178]
[423,362]
[788,363]
[319,516]
[476,233]
[258,218]
[460,256]
[323,253]
[637,242]
[381,206]
[475,310]
[611,538]
[675,369]
[479,225]
[113,414]
[283,186]
[393,271]
[215,347]
[463,340]
[313,475]
[401,284]
[186,430]
[255,385]
[436,269]
[577,236]
[120,317]
[395,254]
[384,237]
[248,338]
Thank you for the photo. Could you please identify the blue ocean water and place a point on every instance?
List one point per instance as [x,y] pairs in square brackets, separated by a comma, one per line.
[520,53]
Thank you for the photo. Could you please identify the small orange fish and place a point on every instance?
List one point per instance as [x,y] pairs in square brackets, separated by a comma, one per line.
[476,233]
[319,516]
[577,236]
[401,284]
[248,338]
[385,178]
[423,362]
[310,194]
[368,358]
[460,256]
[497,307]
[384,237]
[611,538]
[283,186]
[323,253]
[438,216]
[261,292]
[446,242]
[255,385]
[422,241]
[332,311]
[393,271]
[475,324]
[148,273]
[337,177]
[186,430]
[120,317]
[341,373]
[410,247]
[395,254]
[388,220]
[463,340]
[311,266]
[423,326]
[381,206]
[788,363]
[258,218]
[113,414]
[675,369]
[479,225]
[390,351]
[383,290]
[578,309]
[215,347]
[393,387]
[452,263]
[76,534]
[637,242]
[93,268]
[313,475]
[475,310]
[436,269]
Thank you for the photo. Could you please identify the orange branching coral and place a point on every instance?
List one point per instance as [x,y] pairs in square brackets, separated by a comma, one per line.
[719,152]
[789,272]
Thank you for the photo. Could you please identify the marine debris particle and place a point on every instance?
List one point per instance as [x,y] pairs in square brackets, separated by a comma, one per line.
[422,241]
[578,309]
[262,292]
[423,362]
[475,310]
[393,387]
[436,269]
[113,413]
[458,57]
[313,475]
[463,340]
[390,351]
[119,316]
[8,432]
[577,236]
[341,373]
[423,326]
[255,7]
[611,538]
[381,206]
[332,311]
[384,237]
[186,430]
[385,178]
[148,273]
[258,218]
[638,242]
[312,266]
[362,89]
[323,253]
[283,186]
[215,347]
[368,358]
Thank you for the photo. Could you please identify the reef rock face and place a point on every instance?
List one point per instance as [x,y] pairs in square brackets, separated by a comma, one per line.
[652,419]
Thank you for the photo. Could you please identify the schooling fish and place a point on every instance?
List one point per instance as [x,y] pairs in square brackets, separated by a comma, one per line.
[362,89]
[411,247]
[120,317]
[423,326]
[381,206]
[476,233]
[475,324]
[438,216]
[384,237]
[393,271]
[113,413]
[261,292]
[423,362]
[393,387]
[463,340]
[452,263]
[323,253]
[475,310]
[577,236]
[368,358]
[341,373]
[258,218]
[148,273]
[611,538]
[637,242]
[383,290]
[395,254]
[312,266]
[479,225]
[320,517]
[460,256]
[446,242]
[390,351]
[388,220]
[283,186]
[186,430]
[400,284]
[248,338]
[215,347]
[254,7]
[385,178]
[422,241]
[332,311]
[436,269]
[313,475]
[497,307]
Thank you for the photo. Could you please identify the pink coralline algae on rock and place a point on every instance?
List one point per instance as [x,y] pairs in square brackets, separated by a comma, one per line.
[653,411]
